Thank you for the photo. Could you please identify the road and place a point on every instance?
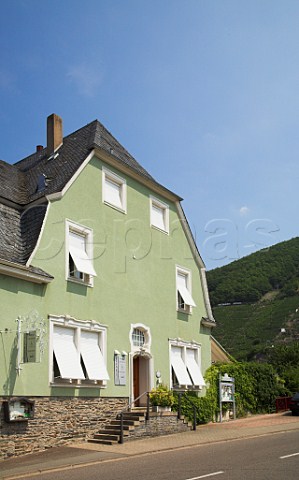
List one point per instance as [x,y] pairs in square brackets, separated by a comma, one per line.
[273,457]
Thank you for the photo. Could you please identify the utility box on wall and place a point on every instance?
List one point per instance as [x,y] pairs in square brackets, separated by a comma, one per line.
[18,410]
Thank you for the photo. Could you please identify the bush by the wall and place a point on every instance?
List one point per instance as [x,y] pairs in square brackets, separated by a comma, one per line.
[256,387]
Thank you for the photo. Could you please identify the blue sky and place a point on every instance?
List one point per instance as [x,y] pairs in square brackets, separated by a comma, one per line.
[203,93]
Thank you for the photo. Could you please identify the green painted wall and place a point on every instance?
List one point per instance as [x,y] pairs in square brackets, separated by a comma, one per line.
[126,290]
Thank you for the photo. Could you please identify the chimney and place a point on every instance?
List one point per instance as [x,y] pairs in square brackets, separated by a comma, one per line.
[39,148]
[54,133]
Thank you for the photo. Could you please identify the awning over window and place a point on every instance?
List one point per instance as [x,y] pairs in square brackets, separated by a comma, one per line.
[66,354]
[92,356]
[193,368]
[79,255]
[183,290]
[179,367]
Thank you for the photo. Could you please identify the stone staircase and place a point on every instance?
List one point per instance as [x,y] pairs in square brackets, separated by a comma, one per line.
[110,434]
[135,426]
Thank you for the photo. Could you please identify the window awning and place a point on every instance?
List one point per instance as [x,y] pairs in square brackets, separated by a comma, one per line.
[179,367]
[183,290]
[66,354]
[92,356]
[79,255]
[194,368]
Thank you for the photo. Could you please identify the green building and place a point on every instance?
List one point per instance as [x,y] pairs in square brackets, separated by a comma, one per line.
[103,291]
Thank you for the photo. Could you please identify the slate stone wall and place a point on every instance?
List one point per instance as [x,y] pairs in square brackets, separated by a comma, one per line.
[57,420]
[159,424]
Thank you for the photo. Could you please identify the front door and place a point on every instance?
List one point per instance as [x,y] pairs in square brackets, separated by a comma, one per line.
[136,389]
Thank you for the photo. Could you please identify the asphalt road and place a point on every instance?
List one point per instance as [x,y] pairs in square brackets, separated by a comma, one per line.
[273,457]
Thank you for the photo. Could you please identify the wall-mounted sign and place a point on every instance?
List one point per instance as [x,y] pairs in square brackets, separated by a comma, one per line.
[120,370]
[18,410]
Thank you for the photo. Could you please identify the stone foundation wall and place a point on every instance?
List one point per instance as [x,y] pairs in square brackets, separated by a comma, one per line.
[159,424]
[57,420]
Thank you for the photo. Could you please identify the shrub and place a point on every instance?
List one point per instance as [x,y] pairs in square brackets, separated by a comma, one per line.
[161,396]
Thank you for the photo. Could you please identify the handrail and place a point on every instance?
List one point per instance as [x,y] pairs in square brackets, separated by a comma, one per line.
[193,406]
[121,413]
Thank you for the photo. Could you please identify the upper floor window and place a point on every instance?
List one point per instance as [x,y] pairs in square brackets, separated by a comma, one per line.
[159,214]
[79,253]
[185,301]
[114,190]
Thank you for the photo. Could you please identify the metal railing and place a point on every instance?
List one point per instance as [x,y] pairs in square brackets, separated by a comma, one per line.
[120,415]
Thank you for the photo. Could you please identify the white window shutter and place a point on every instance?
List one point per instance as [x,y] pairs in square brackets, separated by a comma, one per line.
[113,193]
[92,356]
[77,249]
[66,353]
[194,368]
[183,290]
[179,367]
[158,217]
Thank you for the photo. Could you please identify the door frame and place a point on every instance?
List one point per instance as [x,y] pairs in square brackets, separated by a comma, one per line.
[149,363]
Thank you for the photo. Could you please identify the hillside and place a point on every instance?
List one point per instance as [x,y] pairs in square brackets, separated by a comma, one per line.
[248,279]
[264,289]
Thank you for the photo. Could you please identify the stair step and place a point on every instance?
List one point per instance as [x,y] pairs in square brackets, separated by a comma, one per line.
[102,442]
[106,436]
[110,431]
[114,426]
[126,423]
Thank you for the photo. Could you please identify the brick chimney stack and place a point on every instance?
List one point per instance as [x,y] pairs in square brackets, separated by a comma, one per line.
[54,133]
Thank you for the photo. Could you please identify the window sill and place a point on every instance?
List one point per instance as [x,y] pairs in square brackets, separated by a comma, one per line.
[76,385]
[115,207]
[79,282]
[166,232]
[186,312]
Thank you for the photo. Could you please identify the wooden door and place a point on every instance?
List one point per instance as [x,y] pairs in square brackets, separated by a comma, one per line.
[136,391]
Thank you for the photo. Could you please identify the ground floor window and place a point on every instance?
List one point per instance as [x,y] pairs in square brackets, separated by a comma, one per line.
[78,352]
[185,364]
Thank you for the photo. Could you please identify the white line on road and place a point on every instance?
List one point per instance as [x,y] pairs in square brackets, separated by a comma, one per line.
[288,456]
[205,476]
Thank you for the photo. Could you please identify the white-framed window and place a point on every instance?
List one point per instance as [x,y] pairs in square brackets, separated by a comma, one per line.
[77,352]
[140,338]
[114,190]
[185,300]
[79,254]
[185,365]
[159,214]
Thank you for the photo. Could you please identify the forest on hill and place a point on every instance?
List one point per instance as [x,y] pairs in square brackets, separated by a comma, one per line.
[247,280]
[256,301]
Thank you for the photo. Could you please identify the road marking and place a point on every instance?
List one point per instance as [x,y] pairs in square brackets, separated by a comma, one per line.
[205,476]
[288,456]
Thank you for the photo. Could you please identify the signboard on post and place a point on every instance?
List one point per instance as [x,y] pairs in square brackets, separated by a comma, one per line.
[226,392]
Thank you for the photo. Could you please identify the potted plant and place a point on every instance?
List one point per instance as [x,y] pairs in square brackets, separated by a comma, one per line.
[161,398]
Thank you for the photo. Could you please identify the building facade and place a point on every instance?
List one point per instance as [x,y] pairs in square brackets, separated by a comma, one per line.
[103,290]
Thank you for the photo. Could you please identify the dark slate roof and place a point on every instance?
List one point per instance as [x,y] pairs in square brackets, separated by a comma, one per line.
[72,153]
[20,222]
[19,232]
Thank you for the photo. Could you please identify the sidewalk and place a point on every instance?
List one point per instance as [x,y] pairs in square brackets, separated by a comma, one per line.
[80,454]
